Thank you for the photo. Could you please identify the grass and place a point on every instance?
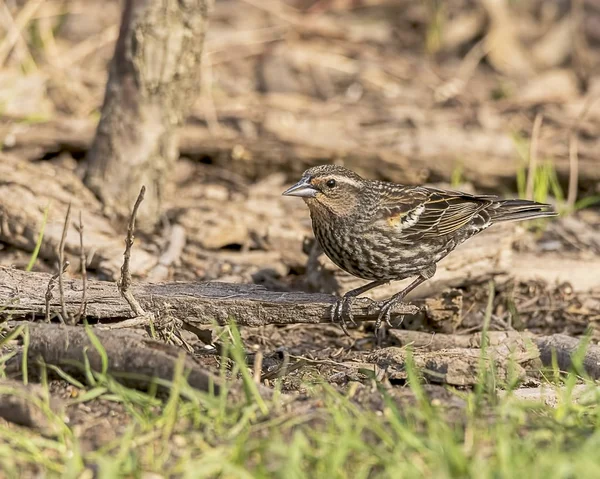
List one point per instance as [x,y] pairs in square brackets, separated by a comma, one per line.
[545,180]
[546,185]
[194,434]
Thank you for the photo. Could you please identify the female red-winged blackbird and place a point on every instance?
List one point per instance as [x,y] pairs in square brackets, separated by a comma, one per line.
[387,232]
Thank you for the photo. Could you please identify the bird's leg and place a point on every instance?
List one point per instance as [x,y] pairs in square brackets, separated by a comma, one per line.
[342,308]
[384,313]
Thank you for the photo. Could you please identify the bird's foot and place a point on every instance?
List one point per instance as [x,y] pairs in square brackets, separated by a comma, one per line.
[386,311]
[341,312]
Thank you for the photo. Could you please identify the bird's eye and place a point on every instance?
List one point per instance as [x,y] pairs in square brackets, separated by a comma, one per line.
[331,183]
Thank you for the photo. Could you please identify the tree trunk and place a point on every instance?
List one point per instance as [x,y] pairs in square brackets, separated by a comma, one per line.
[154,75]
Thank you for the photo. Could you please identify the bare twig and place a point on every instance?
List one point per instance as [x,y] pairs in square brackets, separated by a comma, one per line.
[125,282]
[574,152]
[61,263]
[177,339]
[48,295]
[210,111]
[136,322]
[258,361]
[573,168]
[533,155]
[83,268]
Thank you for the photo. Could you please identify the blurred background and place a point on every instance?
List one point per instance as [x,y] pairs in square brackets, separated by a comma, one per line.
[410,91]
[493,96]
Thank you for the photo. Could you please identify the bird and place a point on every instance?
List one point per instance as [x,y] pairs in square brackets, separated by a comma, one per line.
[383,232]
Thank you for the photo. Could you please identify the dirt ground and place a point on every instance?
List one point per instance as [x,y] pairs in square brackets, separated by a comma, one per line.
[445,93]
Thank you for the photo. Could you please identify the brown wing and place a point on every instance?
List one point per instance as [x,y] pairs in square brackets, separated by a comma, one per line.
[429,212]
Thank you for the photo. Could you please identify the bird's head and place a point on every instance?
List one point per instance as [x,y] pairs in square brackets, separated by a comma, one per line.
[330,189]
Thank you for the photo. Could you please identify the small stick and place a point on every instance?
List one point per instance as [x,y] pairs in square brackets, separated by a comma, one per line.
[83,267]
[533,149]
[574,152]
[48,295]
[125,282]
[61,262]
[258,362]
[127,323]
[573,169]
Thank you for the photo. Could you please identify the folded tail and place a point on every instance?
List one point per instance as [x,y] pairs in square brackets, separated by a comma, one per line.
[517,210]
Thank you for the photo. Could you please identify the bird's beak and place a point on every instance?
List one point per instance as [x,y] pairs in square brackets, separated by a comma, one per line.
[303,189]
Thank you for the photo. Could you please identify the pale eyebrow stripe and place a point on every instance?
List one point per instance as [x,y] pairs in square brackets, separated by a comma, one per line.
[343,179]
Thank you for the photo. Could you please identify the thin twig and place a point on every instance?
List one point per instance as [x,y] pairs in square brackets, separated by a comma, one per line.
[210,111]
[48,295]
[125,282]
[573,168]
[533,150]
[574,152]
[258,362]
[83,268]
[127,323]
[61,263]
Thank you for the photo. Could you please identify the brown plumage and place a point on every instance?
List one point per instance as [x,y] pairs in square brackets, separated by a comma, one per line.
[387,232]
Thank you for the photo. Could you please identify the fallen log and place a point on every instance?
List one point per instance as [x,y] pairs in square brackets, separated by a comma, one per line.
[564,347]
[23,294]
[553,396]
[519,345]
[456,366]
[427,153]
[555,268]
[435,342]
[132,358]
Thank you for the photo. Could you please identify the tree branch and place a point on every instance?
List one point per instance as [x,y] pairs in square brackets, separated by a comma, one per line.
[201,303]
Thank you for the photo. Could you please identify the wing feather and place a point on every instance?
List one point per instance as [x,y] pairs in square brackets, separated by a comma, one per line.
[423,212]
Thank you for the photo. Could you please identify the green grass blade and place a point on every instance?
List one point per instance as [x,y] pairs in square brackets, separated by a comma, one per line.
[38,243]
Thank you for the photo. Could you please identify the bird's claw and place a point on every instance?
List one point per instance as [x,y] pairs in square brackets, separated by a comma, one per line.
[385,313]
[341,312]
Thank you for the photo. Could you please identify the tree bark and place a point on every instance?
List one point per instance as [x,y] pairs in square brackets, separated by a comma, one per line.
[132,358]
[154,73]
[565,347]
[196,304]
